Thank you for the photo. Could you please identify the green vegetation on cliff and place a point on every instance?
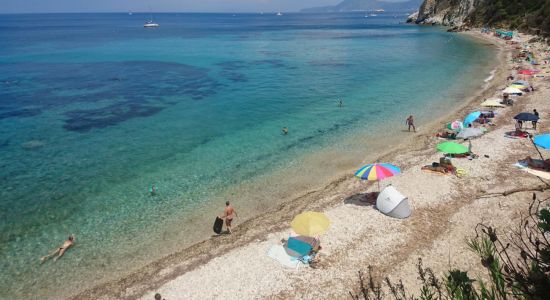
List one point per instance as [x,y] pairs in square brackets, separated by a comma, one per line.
[532,16]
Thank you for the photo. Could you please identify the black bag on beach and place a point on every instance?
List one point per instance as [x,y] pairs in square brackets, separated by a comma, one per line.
[218,224]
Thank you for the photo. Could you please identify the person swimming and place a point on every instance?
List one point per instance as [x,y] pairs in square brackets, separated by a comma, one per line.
[59,251]
[285,130]
[153,190]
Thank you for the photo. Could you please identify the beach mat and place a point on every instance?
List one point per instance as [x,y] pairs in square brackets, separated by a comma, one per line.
[538,173]
[278,253]
[218,225]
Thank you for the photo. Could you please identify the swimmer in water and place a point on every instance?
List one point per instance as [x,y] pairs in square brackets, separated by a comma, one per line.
[59,251]
[153,190]
[285,130]
[340,103]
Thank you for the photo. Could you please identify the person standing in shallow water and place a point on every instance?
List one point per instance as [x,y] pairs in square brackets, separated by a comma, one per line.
[228,214]
[410,123]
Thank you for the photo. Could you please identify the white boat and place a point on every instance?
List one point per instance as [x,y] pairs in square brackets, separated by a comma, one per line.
[379,10]
[150,23]
[373,15]
[279,14]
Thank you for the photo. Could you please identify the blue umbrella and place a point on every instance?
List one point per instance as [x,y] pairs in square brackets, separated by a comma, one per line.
[471,117]
[521,82]
[542,141]
[524,116]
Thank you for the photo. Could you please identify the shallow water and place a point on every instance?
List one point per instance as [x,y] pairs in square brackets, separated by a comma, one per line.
[94,109]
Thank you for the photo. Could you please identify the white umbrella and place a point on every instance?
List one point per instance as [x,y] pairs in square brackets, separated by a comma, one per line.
[511,90]
[468,133]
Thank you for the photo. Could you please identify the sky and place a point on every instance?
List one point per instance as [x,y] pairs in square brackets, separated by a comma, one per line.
[45,6]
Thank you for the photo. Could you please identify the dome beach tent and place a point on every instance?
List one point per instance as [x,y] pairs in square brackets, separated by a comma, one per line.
[392,203]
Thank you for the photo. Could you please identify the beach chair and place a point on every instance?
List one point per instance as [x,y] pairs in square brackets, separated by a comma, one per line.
[297,247]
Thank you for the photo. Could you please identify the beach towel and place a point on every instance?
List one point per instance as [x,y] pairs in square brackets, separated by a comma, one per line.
[513,135]
[538,173]
[278,253]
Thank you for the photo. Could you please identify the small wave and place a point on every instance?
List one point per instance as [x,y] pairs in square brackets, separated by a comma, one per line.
[490,76]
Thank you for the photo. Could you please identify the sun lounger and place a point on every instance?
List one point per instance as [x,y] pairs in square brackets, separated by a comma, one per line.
[278,253]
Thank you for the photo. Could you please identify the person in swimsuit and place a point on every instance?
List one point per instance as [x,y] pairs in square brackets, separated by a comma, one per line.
[285,130]
[228,214]
[410,122]
[59,251]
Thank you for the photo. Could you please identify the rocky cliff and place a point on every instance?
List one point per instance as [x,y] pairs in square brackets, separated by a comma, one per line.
[531,16]
[447,12]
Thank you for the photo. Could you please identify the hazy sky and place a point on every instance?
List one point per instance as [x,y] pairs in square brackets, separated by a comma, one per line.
[23,6]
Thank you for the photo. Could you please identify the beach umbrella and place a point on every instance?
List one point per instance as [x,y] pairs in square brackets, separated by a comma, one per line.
[526,72]
[522,82]
[455,125]
[468,133]
[542,141]
[525,116]
[310,223]
[452,148]
[512,90]
[493,103]
[471,117]
[518,86]
[377,171]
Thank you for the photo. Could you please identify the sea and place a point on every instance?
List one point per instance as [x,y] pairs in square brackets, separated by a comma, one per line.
[95,109]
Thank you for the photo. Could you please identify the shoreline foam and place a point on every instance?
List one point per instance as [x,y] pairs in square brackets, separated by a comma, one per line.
[192,258]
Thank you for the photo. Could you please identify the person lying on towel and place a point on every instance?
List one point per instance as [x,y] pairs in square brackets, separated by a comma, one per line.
[537,163]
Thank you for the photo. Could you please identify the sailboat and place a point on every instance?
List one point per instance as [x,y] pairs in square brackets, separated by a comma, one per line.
[279,14]
[150,23]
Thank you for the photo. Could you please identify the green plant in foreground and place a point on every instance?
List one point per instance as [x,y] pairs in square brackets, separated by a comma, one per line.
[518,266]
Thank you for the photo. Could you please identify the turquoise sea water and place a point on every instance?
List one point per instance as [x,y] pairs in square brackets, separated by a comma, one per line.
[94,109]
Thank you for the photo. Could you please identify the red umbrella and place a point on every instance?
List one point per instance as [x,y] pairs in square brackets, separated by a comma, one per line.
[526,72]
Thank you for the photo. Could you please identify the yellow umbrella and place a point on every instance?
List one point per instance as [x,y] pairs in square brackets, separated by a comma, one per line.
[492,103]
[518,86]
[310,223]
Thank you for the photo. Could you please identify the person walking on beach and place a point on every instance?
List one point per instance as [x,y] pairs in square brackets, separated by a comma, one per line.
[59,251]
[536,113]
[410,123]
[228,214]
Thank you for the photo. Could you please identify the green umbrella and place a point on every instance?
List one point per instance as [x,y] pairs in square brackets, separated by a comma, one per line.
[452,148]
